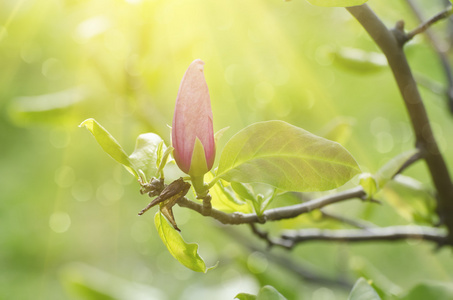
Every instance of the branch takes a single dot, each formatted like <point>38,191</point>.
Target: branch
<point>428,23</point>
<point>264,235</point>
<point>391,43</point>
<point>414,158</point>
<point>354,223</point>
<point>301,271</point>
<point>275,214</point>
<point>438,48</point>
<point>392,233</point>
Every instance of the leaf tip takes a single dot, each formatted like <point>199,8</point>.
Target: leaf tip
<point>86,122</point>
<point>211,268</point>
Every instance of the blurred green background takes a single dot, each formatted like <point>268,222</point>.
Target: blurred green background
<point>68,213</point>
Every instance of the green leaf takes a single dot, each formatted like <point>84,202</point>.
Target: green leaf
<point>286,157</point>
<point>108,144</point>
<point>362,290</point>
<point>243,190</point>
<point>388,171</point>
<point>337,3</point>
<point>369,184</point>
<point>159,154</point>
<point>268,292</point>
<point>185,253</point>
<point>144,156</point>
<point>223,199</point>
<point>245,296</point>
<point>162,161</point>
<point>259,194</point>
<point>218,135</point>
<point>143,161</point>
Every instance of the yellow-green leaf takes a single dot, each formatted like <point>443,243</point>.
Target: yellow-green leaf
<point>185,253</point>
<point>108,143</point>
<point>144,156</point>
<point>362,290</point>
<point>268,292</point>
<point>286,157</point>
<point>369,184</point>
<point>225,201</point>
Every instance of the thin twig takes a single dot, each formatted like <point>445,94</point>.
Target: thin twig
<point>289,264</point>
<point>440,50</point>
<point>354,223</point>
<point>414,158</point>
<point>392,233</point>
<point>276,214</point>
<point>391,43</point>
<point>264,235</point>
<point>428,23</point>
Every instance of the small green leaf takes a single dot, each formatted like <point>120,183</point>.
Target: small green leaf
<point>337,3</point>
<point>389,170</point>
<point>268,292</point>
<point>286,157</point>
<point>245,296</point>
<point>164,159</point>
<point>362,290</point>
<point>369,184</point>
<point>108,144</point>
<point>185,253</point>
<point>159,154</point>
<point>259,194</point>
<point>265,200</point>
<point>223,199</point>
<point>144,156</point>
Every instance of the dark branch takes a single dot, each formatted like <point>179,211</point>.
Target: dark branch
<point>275,214</point>
<point>270,241</point>
<point>393,233</point>
<point>288,263</point>
<point>391,43</point>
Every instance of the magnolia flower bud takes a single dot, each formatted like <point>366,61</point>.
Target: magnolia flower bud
<point>192,130</point>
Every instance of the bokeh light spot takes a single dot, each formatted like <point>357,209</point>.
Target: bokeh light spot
<point>257,263</point>
<point>59,222</point>
<point>64,176</point>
